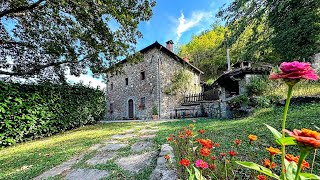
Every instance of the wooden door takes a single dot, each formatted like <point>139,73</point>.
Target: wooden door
<point>130,109</point>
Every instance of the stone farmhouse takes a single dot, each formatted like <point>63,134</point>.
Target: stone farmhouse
<point>141,87</point>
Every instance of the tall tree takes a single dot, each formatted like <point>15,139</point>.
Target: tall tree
<point>49,36</point>
<point>292,25</point>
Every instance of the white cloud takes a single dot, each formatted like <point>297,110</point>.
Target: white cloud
<point>187,24</point>
<point>87,80</point>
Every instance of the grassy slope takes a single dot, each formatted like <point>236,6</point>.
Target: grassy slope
<point>226,131</point>
<point>304,88</point>
<point>29,159</point>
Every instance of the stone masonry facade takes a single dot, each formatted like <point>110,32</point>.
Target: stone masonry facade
<point>157,68</point>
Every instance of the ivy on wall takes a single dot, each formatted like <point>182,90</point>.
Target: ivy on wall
<point>182,83</point>
<point>33,111</point>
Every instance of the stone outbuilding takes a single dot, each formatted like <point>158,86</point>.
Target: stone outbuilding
<point>142,86</point>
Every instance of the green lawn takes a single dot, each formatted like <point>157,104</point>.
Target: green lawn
<point>27,160</point>
<point>30,159</point>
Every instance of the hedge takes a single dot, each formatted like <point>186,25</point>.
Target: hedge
<point>33,111</point>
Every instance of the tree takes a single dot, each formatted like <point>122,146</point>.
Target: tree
<point>49,37</point>
<point>292,28</point>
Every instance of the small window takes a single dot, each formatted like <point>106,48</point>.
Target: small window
<point>127,81</point>
<point>143,101</point>
<point>111,86</point>
<point>111,108</point>
<point>143,76</point>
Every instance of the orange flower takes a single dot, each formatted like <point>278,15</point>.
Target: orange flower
<point>185,162</point>
<point>306,137</point>
<point>212,166</point>
<point>170,138</point>
<point>292,158</point>
<point>237,142</point>
<point>232,153</point>
<point>261,177</point>
<point>266,163</point>
<point>252,137</point>
<point>216,144</point>
<point>201,131</point>
<point>188,132</point>
<point>273,151</point>
<point>205,143</point>
<point>205,151</point>
<point>167,157</point>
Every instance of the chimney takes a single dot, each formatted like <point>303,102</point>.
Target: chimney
<point>186,59</point>
<point>169,45</point>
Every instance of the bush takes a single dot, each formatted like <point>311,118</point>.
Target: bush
<point>33,111</point>
<point>257,86</point>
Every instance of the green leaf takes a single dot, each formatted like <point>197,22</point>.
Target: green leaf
<point>258,168</point>
<point>275,132</point>
<point>198,174</point>
<point>304,176</point>
<point>286,141</point>
<point>291,169</point>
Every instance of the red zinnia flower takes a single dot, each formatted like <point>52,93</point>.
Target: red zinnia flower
<point>223,154</point>
<point>266,163</point>
<point>205,151</point>
<point>188,132</point>
<point>201,131</point>
<point>213,158</point>
<point>212,166</point>
<point>185,162</point>
<point>216,144</point>
<point>232,153</point>
<point>237,142</point>
<point>261,177</point>
<point>170,138</point>
<point>205,143</point>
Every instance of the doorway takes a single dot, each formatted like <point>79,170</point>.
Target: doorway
<point>130,109</point>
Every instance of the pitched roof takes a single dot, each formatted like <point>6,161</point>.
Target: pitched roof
<point>169,53</point>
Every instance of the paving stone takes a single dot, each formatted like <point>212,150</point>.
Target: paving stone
<point>135,163</point>
<point>122,136</point>
<point>141,145</point>
<point>113,147</point>
<point>165,149</point>
<point>110,141</point>
<point>130,131</point>
<point>160,174</point>
<point>101,158</point>
<point>87,174</point>
<point>62,168</point>
<point>95,147</point>
<point>147,136</point>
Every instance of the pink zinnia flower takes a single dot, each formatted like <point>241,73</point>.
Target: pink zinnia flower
<point>295,70</point>
<point>201,164</point>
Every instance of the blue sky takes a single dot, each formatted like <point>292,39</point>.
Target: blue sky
<point>178,20</point>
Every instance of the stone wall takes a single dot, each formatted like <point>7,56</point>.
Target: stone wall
<point>168,68</point>
<point>159,70</point>
<point>136,88</point>
<point>316,62</point>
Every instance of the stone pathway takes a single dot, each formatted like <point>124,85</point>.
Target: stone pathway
<point>123,155</point>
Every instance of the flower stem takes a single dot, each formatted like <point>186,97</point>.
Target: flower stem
<point>303,155</point>
<point>285,113</point>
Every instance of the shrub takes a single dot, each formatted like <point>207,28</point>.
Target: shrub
<point>154,110</point>
<point>257,86</point>
<point>33,111</point>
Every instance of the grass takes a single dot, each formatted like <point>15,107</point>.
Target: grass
<point>226,131</point>
<point>27,160</point>
<point>303,88</point>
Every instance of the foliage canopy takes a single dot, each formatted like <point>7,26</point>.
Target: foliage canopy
<point>49,37</point>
